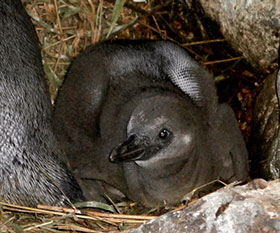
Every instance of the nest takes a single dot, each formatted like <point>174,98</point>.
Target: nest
<point>65,28</point>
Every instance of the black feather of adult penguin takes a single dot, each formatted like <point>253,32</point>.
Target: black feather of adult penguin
<point>31,169</point>
<point>141,118</point>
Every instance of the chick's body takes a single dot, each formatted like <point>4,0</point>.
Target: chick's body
<point>142,118</point>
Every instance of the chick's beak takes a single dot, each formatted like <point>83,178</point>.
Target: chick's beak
<point>129,150</point>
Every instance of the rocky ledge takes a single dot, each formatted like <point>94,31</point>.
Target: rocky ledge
<point>254,207</point>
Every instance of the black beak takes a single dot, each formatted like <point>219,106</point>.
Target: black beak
<point>128,151</point>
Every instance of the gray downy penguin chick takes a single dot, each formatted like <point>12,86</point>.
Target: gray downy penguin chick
<point>30,166</point>
<point>142,118</point>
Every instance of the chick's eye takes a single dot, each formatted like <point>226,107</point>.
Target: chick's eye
<point>163,134</point>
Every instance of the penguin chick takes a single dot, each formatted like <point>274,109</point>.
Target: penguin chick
<point>142,118</point>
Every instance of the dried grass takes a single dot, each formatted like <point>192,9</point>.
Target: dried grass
<point>14,218</point>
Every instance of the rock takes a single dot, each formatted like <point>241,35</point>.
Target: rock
<point>251,27</point>
<point>254,207</point>
<point>265,137</point>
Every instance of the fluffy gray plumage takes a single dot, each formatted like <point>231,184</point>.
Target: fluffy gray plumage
<point>28,147</point>
<point>142,118</point>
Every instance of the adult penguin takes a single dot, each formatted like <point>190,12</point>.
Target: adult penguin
<point>142,118</point>
<point>31,169</point>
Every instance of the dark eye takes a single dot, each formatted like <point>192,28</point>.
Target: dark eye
<point>163,134</point>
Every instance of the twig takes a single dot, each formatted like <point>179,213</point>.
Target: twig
<point>223,60</point>
<point>202,42</point>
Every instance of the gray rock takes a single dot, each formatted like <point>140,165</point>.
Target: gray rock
<point>254,207</point>
<point>265,144</point>
<point>251,27</point>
